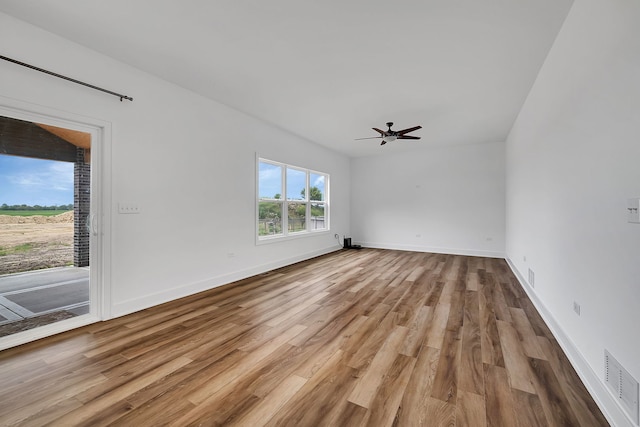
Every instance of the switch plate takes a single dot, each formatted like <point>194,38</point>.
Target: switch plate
<point>128,208</point>
<point>633,210</point>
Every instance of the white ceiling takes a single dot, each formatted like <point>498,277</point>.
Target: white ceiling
<point>331,70</point>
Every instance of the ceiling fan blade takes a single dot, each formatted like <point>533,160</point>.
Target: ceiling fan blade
<point>373,137</point>
<point>381,132</point>
<point>403,131</point>
<point>408,137</point>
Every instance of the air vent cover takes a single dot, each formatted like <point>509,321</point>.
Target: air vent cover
<point>622,384</point>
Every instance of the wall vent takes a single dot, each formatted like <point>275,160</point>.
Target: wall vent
<point>622,384</point>
<point>532,278</point>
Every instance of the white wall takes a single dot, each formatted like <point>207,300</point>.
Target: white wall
<point>572,162</point>
<point>187,161</point>
<point>448,200</point>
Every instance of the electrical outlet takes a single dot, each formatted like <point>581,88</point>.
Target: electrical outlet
<point>576,308</point>
<point>532,278</point>
<point>633,210</point>
<point>128,208</point>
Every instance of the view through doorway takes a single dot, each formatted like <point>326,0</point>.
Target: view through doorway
<point>45,227</point>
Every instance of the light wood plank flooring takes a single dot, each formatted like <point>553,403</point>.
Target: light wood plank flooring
<point>354,338</point>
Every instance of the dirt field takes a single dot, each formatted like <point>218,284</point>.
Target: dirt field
<point>35,242</point>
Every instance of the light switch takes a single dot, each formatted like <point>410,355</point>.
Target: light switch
<point>128,208</point>
<point>633,210</point>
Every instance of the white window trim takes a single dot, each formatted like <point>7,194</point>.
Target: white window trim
<point>286,235</point>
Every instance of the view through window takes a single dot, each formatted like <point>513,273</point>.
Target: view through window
<point>45,182</point>
<point>291,200</point>
<point>36,213</point>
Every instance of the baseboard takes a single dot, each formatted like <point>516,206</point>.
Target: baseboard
<point>181,291</point>
<point>432,249</point>
<point>614,413</point>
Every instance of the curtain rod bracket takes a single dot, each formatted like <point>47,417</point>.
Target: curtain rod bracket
<point>51,73</point>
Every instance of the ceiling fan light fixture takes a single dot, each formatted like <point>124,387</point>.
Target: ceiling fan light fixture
<point>389,138</point>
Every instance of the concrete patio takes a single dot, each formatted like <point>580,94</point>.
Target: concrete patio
<point>36,293</point>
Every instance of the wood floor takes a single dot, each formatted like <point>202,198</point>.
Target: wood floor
<point>370,337</point>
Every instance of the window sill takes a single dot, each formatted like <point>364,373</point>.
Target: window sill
<point>293,236</point>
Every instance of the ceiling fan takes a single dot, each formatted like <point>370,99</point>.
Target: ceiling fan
<point>391,135</point>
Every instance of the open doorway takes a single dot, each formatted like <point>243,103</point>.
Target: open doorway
<point>45,227</point>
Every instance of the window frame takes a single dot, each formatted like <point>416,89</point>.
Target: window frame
<point>285,233</point>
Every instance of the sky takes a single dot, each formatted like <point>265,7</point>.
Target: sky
<point>35,182</point>
<point>270,181</point>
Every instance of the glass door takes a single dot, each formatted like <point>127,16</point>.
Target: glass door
<point>45,224</point>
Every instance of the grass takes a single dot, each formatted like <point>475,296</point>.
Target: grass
<point>31,213</point>
<point>25,247</point>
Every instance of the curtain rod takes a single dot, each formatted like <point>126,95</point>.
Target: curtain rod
<point>51,73</point>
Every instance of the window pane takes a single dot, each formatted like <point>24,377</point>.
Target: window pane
<point>317,216</point>
<point>269,181</point>
<point>303,194</point>
<point>297,217</point>
<point>296,184</point>
<point>318,186</point>
<point>269,218</point>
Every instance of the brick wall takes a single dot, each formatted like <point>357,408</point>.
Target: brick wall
<point>81,208</point>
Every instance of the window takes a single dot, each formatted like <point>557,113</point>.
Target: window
<point>291,200</point>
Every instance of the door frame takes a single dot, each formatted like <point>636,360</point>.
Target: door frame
<point>100,241</point>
